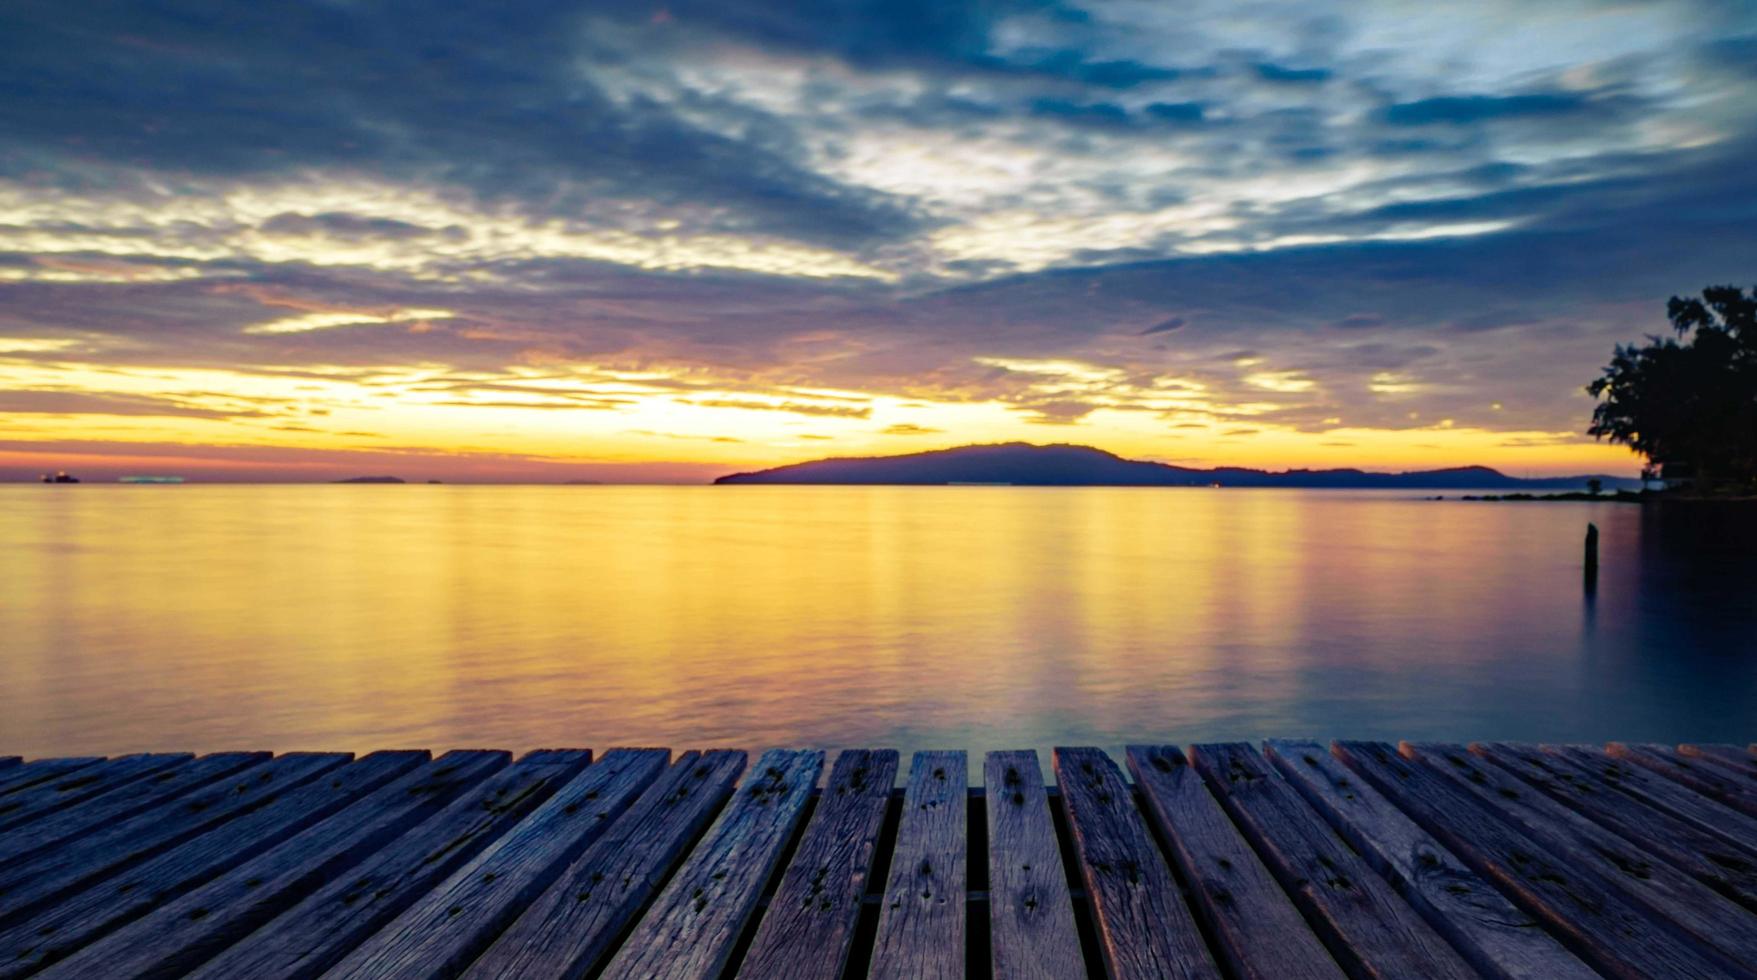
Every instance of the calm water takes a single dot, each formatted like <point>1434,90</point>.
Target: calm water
<point>209,617</point>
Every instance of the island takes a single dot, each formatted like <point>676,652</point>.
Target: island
<point>1064,465</point>
<point>372,479</point>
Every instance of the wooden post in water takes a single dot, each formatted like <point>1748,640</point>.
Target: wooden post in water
<point>1591,556</point>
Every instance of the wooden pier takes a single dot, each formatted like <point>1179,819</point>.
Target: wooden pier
<point>1286,860</point>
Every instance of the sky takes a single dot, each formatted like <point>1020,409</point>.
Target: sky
<point>663,241</point>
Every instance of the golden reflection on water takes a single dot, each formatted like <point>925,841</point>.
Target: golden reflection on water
<point>212,617</point>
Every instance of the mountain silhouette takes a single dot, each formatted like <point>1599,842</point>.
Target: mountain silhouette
<point>1062,465</point>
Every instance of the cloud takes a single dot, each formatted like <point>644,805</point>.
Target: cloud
<point>353,227</point>
<point>1177,112</point>
<point>489,102</point>
<point>50,402</point>
<point>795,408</point>
<point>905,429</point>
<point>1458,110</point>
<point>331,320</point>
<point>1291,76</point>
<point>973,208</point>
<point>1163,326</point>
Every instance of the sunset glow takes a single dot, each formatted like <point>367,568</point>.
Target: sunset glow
<point>667,243</point>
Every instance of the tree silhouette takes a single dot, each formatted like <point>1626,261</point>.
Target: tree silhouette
<point>1692,404</point>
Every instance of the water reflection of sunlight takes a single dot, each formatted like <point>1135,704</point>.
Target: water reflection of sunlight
<point>359,617</point>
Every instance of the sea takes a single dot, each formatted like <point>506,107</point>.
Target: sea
<point>210,617</point>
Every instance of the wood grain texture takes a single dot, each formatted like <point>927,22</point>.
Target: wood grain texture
<point>692,927</point>
<point>1669,895</point>
<point>1261,934</point>
<point>572,927</point>
<point>1709,780</point>
<point>440,934</point>
<point>1488,930</point>
<point>1144,927</point>
<point>15,778</point>
<point>1032,931</point>
<point>310,937</point>
<point>1654,790</point>
<point>1299,861</point>
<point>1361,917</point>
<point>1722,862</point>
<point>21,808</point>
<point>1738,758</point>
<point>921,930</point>
<point>124,802</point>
<point>82,918</point>
<point>183,933</point>
<point>33,882</point>
<point>1599,922</point>
<point>809,926</point>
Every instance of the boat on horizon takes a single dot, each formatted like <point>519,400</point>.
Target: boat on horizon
<point>60,476</point>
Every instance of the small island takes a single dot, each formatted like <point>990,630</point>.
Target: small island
<point>1024,464</point>
<point>372,479</point>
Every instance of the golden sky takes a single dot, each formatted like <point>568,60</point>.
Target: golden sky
<point>636,241</point>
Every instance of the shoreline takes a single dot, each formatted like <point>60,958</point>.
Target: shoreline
<point>1615,497</point>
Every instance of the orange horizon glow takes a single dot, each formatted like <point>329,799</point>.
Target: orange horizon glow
<point>558,421</point>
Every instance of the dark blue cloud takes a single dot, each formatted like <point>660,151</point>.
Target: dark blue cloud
<point>1177,112</point>
<point>1110,115</point>
<point>1118,74</point>
<point>1089,113</point>
<point>1291,76</point>
<point>1163,326</point>
<point>1466,109</point>
<point>871,33</point>
<point>482,97</point>
<point>1737,53</point>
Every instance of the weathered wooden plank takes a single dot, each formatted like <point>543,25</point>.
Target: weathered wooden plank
<point>20,808</point>
<point>1598,920</point>
<point>921,921</point>
<point>1260,933</point>
<point>313,935</point>
<point>31,773</point>
<point>1032,932</point>
<point>1144,928</point>
<point>1667,893</point>
<point>34,881</point>
<point>1723,863</point>
<point>1710,781</point>
<point>1655,790</point>
<point>442,932</point>
<point>690,931</point>
<point>1738,758</point>
<point>572,927</point>
<point>185,932</point>
<point>1366,924</point>
<point>123,802</point>
<point>1494,935</point>
<point>81,918</point>
<point>809,925</point>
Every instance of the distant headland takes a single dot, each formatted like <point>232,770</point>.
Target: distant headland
<point>1062,465</point>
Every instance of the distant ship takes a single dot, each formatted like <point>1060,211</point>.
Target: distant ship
<point>151,479</point>
<point>60,477</point>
